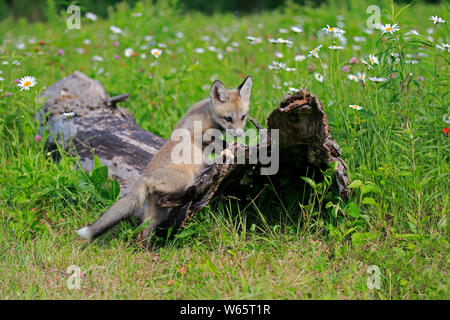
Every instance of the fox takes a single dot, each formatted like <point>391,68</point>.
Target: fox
<point>225,110</point>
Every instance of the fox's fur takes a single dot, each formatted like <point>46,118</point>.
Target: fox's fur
<point>223,110</point>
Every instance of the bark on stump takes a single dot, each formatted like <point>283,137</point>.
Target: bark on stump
<point>99,127</point>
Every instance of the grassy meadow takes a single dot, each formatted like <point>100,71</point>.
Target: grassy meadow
<point>386,97</point>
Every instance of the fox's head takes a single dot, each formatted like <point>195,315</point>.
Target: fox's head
<point>230,107</point>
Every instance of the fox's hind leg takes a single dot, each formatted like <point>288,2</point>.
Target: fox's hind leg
<point>156,214</point>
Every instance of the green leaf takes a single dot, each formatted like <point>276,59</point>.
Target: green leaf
<point>99,176</point>
<point>370,201</point>
<point>353,210</point>
<point>355,184</point>
<point>97,162</point>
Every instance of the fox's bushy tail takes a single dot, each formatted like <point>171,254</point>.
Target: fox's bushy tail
<point>120,210</point>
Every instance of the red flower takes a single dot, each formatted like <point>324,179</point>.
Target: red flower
<point>445,130</point>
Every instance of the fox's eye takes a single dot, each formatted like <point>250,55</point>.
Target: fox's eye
<point>228,119</point>
<point>244,116</point>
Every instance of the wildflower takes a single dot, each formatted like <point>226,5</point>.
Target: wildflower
<point>8,94</point>
<point>359,39</point>
<point>373,59</point>
<point>61,52</point>
<point>318,77</point>
<point>376,79</point>
<point>388,28</point>
<point>299,58</point>
<point>115,43</point>
<point>253,40</point>
<point>311,68</point>
<point>353,60</point>
<point>333,30</point>
<point>296,29</point>
<point>336,47</point>
<point>345,69</point>
<point>436,19</point>
<point>2,79</point>
<point>91,16</point>
<point>356,107</point>
<point>420,78</point>
<point>116,56</point>
<point>315,52</point>
<point>69,115</point>
<point>137,14</point>
<point>97,58</point>
<point>293,89</point>
<point>37,138</point>
<point>20,46</point>
<point>179,34</point>
<point>366,63</point>
<point>362,76</point>
<point>352,77</point>
<point>413,61</point>
<point>277,65</point>
<point>412,31</point>
<point>279,55</point>
<point>289,69</point>
<point>115,29</point>
<point>446,118</point>
<point>199,50</point>
<point>128,52</point>
<point>445,130</point>
<point>280,40</point>
<point>26,83</point>
<point>87,41</point>
<point>156,52</point>
<point>282,30</point>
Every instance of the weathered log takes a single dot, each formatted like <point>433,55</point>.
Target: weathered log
<point>99,127</point>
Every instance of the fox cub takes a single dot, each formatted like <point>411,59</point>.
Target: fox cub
<point>225,110</point>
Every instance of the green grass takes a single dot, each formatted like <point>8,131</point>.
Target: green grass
<point>277,247</point>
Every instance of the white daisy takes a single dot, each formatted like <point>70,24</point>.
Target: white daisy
<point>299,57</point>
<point>373,59</point>
<point>69,115</point>
<point>289,69</point>
<point>318,77</point>
<point>26,83</point>
<point>333,30</point>
<point>91,16</point>
<point>352,77</point>
<point>361,76</point>
<point>282,30</point>
<point>156,52</point>
<point>115,29</point>
<point>436,19</point>
<point>296,29</point>
<point>376,79</point>
<point>336,47</point>
<point>412,31</point>
<point>278,54</point>
<point>97,58</point>
<point>128,52</point>
<point>254,40</point>
<point>315,52</point>
<point>389,28</point>
<point>199,50</point>
<point>355,106</point>
<point>446,118</point>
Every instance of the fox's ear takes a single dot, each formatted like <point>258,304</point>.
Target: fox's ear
<point>218,93</point>
<point>245,89</point>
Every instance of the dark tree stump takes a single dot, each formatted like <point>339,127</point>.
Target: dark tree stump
<point>99,127</point>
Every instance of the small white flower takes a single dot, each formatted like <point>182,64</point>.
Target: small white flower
<point>355,106</point>
<point>296,29</point>
<point>446,118</point>
<point>436,19</point>
<point>336,47</point>
<point>282,30</point>
<point>235,44</point>
<point>299,58</point>
<point>376,79</point>
<point>413,61</point>
<point>277,65</point>
<point>97,58</point>
<point>179,34</point>
<point>366,63</point>
<point>315,52</point>
<point>278,54</point>
<point>293,89</point>
<point>352,77</point>
<point>26,83</point>
<point>388,28</point>
<point>212,48</point>
<point>69,115</point>
<point>148,38</point>
<point>2,79</point>
<point>333,30</point>
<point>156,52</point>
<point>359,39</point>
<point>412,31</point>
<point>87,41</point>
<point>16,62</point>
<point>289,69</point>
<point>20,46</point>
<point>373,59</point>
<point>137,14</point>
<point>318,77</point>
<point>115,29</point>
<point>91,16</point>
<point>143,56</point>
<point>199,50</point>
<point>254,40</point>
<point>280,40</point>
<point>361,76</point>
<point>219,56</point>
<point>162,45</point>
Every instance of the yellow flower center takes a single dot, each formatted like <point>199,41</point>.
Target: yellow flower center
<point>388,29</point>
<point>26,84</point>
<point>330,29</point>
